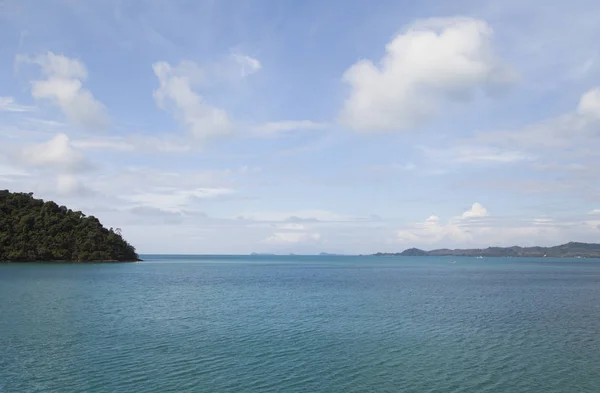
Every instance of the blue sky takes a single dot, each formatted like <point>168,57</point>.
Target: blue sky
<point>338,126</point>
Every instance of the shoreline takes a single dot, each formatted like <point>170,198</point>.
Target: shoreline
<point>78,262</point>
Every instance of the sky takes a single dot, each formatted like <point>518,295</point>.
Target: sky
<point>341,126</point>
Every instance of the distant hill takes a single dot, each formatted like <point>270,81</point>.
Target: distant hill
<point>568,250</point>
<point>34,230</point>
<point>413,252</point>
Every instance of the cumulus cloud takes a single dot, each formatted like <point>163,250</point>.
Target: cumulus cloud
<point>434,60</point>
<point>477,210</point>
<point>474,228</point>
<point>57,153</point>
<point>433,231</point>
<point>176,95</point>
<point>63,87</point>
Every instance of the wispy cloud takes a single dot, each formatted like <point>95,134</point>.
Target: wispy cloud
<point>8,104</point>
<point>248,65</point>
<point>175,94</point>
<point>282,238</point>
<point>173,199</point>
<point>469,154</point>
<point>287,126</point>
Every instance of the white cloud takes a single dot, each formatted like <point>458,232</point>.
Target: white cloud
<point>433,231</point>
<point>477,210</point>
<point>113,143</point>
<point>559,167</point>
<point>176,95</point>
<point>467,153</point>
<point>568,129</point>
<point>57,153</point>
<point>63,87</point>
<point>569,136</point>
<point>283,127</point>
<point>175,200</point>
<point>248,65</point>
<point>594,211</point>
<point>464,231</point>
<point>589,105</point>
<point>433,61</point>
<point>291,227</point>
<point>139,143</point>
<point>11,173</point>
<point>307,215</point>
<point>8,104</point>
<point>68,184</point>
<point>292,238</point>
<point>173,189</point>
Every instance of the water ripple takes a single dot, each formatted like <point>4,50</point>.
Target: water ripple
<point>314,325</point>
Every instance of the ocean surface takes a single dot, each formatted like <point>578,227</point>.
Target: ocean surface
<point>301,324</point>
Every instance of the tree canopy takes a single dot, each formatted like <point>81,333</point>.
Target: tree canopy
<point>34,230</point>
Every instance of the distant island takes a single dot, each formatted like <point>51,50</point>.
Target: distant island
<point>32,230</point>
<point>568,250</point>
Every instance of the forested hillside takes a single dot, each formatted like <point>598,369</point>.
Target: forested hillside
<point>568,250</point>
<point>34,230</point>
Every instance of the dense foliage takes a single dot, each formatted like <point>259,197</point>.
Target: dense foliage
<point>34,230</point>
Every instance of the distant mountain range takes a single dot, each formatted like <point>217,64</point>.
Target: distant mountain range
<point>568,250</point>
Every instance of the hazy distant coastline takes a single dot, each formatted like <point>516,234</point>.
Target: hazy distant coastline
<point>568,250</point>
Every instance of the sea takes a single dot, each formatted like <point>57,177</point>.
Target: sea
<point>175,323</point>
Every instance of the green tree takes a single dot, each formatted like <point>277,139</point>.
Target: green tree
<point>34,230</point>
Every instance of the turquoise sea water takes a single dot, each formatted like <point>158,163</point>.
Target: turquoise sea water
<point>301,324</point>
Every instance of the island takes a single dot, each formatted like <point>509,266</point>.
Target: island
<point>568,250</point>
<point>32,230</point>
